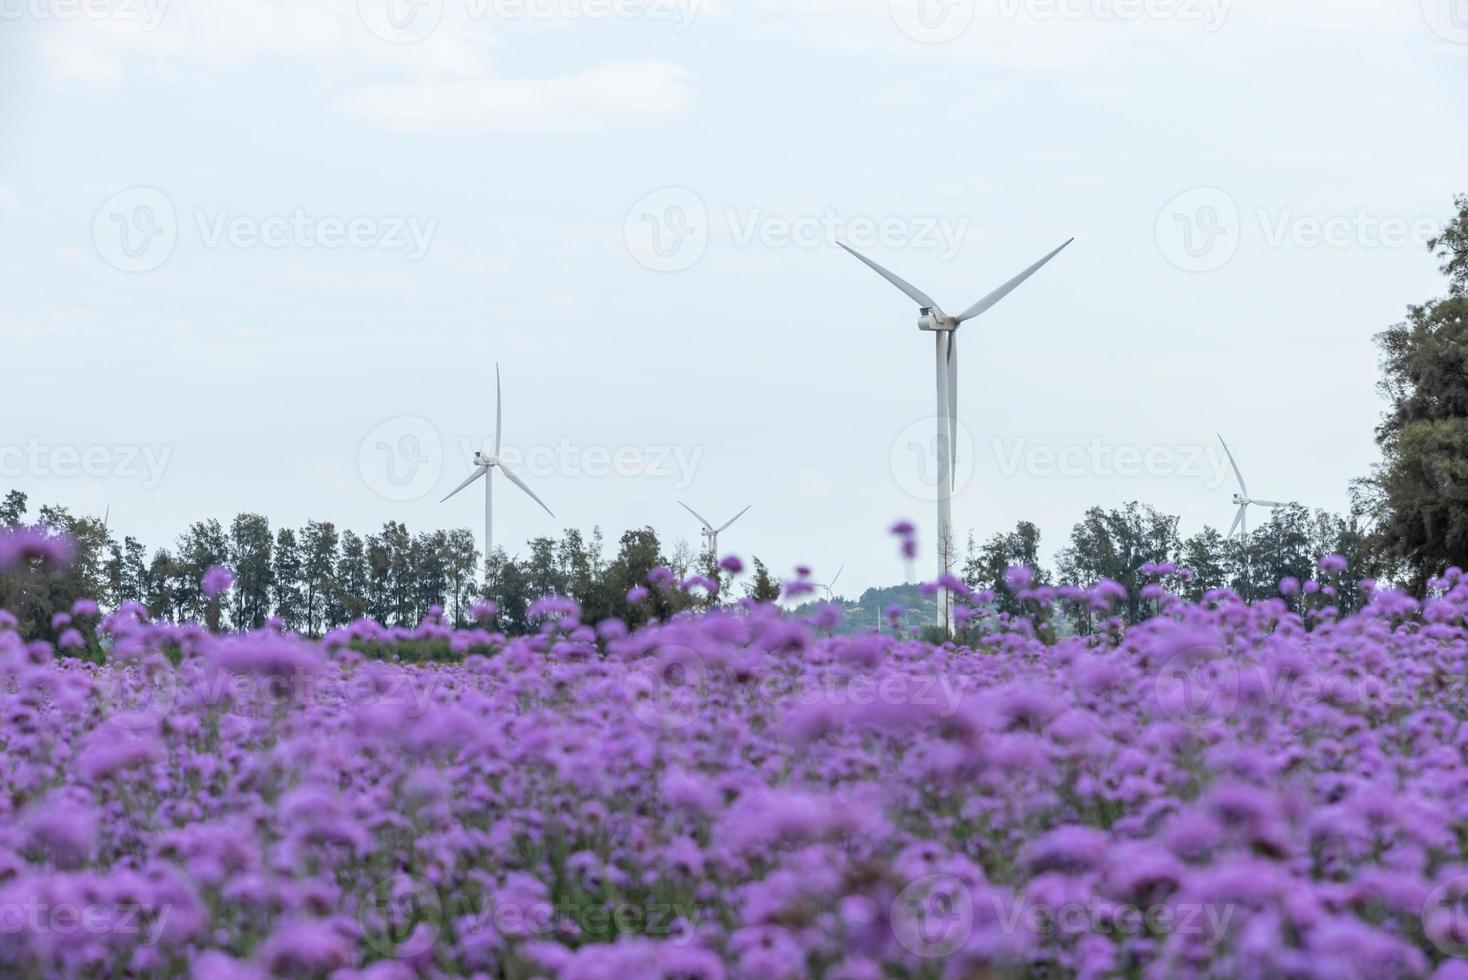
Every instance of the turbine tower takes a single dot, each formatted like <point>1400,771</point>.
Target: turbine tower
<point>484,467</point>
<point>945,332</point>
<point>710,533</point>
<point>1242,498</point>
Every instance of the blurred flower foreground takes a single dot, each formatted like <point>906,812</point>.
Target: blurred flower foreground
<point>1224,789</point>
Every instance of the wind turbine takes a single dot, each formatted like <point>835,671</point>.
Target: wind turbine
<point>485,465</point>
<point>711,533</point>
<point>945,331</point>
<point>1242,498</point>
<point>832,584</point>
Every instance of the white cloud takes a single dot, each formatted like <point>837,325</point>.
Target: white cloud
<point>610,97</point>
<point>446,81</point>
<point>7,196</point>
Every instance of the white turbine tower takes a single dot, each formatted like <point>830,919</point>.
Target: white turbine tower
<point>710,533</point>
<point>1242,498</point>
<point>945,331</point>
<point>832,584</point>
<point>484,467</point>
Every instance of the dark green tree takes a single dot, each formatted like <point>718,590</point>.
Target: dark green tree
<point>1418,494</point>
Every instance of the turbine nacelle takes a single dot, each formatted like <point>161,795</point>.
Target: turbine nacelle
<point>484,459</point>
<point>1241,500</point>
<point>932,318</point>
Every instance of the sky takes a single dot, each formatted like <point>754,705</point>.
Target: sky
<point>265,256</point>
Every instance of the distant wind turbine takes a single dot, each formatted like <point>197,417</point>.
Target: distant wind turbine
<point>483,467</point>
<point>945,330</point>
<point>832,584</point>
<point>710,533</point>
<point>1242,498</point>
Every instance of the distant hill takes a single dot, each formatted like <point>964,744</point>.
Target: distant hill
<point>863,614</point>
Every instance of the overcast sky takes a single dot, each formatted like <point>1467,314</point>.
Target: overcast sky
<point>264,256</point>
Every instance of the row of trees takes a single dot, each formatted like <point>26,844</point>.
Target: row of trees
<point>1122,543</point>
<point>316,577</point>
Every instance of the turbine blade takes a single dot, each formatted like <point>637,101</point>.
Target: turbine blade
<point>732,520</point>
<point>478,472</point>
<point>917,295</point>
<point>1267,503</point>
<point>1238,519</point>
<point>1237,475</point>
<point>836,577</point>
<point>499,413</point>
<point>1008,287</point>
<point>707,526</point>
<point>521,484</point>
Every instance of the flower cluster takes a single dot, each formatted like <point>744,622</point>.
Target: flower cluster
<point>1225,789</point>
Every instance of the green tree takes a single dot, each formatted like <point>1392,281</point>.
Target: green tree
<point>1114,545</point>
<point>286,584</point>
<point>250,546</point>
<point>318,567</point>
<point>12,509</point>
<point>985,567</point>
<point>1418,493</point>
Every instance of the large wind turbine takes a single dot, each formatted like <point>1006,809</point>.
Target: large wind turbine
<point>1242,498</point>
<point>485,465</point>
<point>711,533</point>
<point>945,331</point>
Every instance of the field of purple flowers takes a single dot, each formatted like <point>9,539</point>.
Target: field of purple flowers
<point>1223,790</point>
